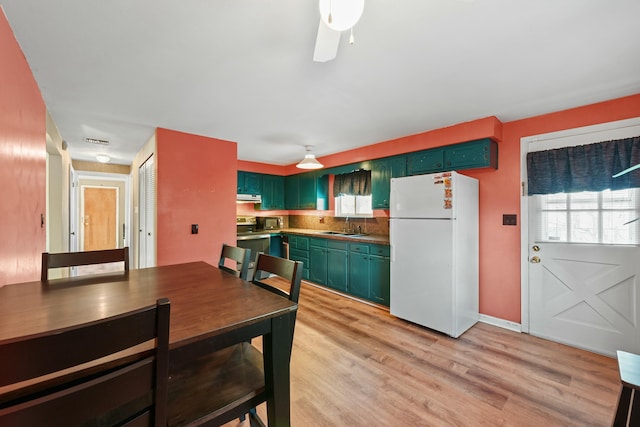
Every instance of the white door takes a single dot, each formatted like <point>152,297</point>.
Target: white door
<point>146,215</point>
<point>585,295</point>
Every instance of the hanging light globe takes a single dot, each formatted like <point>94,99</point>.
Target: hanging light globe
<point>341,15</point>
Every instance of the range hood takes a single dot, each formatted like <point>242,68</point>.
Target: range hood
<point>249,198</point>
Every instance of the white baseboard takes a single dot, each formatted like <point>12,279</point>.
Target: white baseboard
<point>501,323</point>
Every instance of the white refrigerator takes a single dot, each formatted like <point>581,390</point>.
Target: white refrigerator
<point>434,251</point>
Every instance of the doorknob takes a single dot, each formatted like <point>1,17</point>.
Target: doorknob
<point>535,248</point>
<point>535,259</point>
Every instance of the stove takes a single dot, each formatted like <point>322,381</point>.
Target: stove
<point>247,237</point>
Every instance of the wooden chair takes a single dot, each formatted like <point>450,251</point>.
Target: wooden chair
<point>131,393</point>
<point>230,383</point>
<point>628,411</point>
<point>240,256</point>
<point>75,259</point>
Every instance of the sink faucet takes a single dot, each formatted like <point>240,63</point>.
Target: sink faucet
<point>346,225</point>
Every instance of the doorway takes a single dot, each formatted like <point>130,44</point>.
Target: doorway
<point>581,294</point>
<point>100,212</point>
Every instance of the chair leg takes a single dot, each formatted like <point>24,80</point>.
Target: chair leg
<point>254,419</point>
<point>623,407</point>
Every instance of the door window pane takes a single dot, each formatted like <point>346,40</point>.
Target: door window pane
<point>605,217</point>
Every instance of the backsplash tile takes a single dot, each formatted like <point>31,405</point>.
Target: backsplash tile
<point>377,225</point>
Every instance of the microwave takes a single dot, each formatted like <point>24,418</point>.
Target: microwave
<point>269,222</point>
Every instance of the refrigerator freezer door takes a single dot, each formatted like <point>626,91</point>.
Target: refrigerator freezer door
<point>421,272</point>
<point>422,196</point>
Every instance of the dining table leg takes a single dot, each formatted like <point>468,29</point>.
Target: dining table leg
<point>276,352</point>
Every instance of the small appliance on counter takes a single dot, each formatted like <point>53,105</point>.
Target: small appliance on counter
<point>269,222</point>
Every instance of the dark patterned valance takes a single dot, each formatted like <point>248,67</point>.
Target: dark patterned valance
<point>584,168</point>
<point>356,183</point>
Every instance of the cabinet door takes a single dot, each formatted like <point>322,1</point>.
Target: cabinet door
<point>272,192</point>
<point>318,264</point>
<point>249,182</point>
<point>382,171</point>
<point>338,273</point>
<point>359,274</point>
<point>308,197</point>
<point>476,154</point>
<point>379,279</point>
<point>291,192</point>
<point>427,161</point>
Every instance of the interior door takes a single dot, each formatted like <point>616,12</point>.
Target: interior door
<point>100,218</point>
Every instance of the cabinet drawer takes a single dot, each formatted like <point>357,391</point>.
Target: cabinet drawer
<point>299,255</point>
<point>300,242</point>
<point>314,241</point>
<point>359,247</point>
<point>336,244</point>
<point>382,250</point>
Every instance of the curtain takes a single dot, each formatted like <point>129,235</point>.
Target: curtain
<point>356,183</point>
<point>584,168</point>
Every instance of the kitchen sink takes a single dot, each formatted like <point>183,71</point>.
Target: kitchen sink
<point>341,233</point>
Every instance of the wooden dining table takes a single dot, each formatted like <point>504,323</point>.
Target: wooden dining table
<point>210,309</point>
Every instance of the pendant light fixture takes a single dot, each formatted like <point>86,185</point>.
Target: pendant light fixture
<point>309,161</point>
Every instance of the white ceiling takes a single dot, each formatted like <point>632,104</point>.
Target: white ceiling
<point>242,70</point>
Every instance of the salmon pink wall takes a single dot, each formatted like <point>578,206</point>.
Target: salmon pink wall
<point>22,164</point>
<point>196,184</point>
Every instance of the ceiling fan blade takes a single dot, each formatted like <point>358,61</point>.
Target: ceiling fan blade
<point>326,43</point>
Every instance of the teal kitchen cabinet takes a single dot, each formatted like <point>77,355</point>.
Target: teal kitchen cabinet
<point>328,263</point>
<point>379,274</point>
<point>426,161</point>
<point>369,272</point>
<point>306,191</point>
<point>292,192</point>
<point>382,170</point>
<point>337,265</point>
<point>249,182</point>
<point>482,153</point>
<point>359,270</point>
<point>272,192</point>
<point>476,154</point>
<point>318,260</point>
<point>299,251</point>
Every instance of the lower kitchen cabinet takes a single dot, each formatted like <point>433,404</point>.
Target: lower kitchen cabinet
<point>358,269</point>
<point>337,265</point>
<point>369,272</point>
<point>299,251</point>
<point>379,276</point>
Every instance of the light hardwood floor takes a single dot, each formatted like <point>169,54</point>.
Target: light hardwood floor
<point>356,365</point>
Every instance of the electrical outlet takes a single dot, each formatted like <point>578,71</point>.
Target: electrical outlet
<point>194,228</point>
<point>509,219</point>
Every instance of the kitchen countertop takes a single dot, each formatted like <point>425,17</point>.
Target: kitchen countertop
<point>364,238</point>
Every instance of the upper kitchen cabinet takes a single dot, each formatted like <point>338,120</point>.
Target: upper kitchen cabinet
<point>306,191</point>
<point>382,170</point>
<point>272,192</point>
<point>482,153</point>
<point>249,182</point>
<point>476,154</point>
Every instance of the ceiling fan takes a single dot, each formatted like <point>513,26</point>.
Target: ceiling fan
<point>336,16</point>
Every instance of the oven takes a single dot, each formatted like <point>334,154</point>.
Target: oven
<point>248,238</point>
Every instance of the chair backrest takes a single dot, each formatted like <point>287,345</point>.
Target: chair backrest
<point>241,256</point>
<point>106,395</point>
<point>74,259</point>
<point>289,275</point>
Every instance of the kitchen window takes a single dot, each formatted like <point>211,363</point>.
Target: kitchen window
<point>600,217</point>
<point>353,206</point>
<point>352,193</point>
